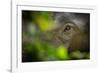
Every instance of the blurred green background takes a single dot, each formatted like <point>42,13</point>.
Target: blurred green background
<point>36,44</point>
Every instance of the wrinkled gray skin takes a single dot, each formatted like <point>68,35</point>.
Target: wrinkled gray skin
<point>72,30</point>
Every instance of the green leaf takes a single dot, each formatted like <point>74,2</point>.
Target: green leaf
<point>62,53</point>
<point>43,20</point>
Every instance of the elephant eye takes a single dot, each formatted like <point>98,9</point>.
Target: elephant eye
<point>67,28</point>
